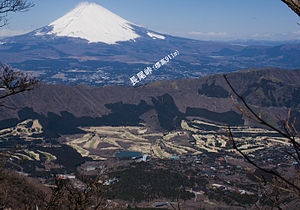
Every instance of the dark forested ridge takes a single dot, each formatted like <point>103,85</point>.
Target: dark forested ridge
<point>55,130</point>
<point>208,98</point>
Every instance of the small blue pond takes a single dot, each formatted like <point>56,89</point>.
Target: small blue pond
<point>129,154</point>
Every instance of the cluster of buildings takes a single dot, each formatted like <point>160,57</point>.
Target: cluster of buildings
<point>144,158</point>
<point>66,176</point>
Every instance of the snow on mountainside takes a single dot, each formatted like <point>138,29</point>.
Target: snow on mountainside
<point>91,45</point>
<point>155,36</point>
<point>94,23</point>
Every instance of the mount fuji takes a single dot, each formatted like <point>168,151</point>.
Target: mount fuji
<point>94,46</point>
<point>94,23</point>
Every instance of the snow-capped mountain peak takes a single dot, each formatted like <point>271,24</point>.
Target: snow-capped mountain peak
<point>94,23</point>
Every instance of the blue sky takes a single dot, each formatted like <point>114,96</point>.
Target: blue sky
<point>199,19</point>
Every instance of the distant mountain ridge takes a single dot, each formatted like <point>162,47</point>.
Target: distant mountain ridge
<point>91,45</point>
<point>162,104</point>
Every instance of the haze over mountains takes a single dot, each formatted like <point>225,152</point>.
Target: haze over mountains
<point>92,45</point>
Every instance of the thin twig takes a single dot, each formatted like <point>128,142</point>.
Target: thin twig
<point>274,173</point>
<point>261,121</point>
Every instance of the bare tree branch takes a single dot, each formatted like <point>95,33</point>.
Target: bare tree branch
<point>289,132</point>
<point>257,118</point>
<point>269,171</point>
<point>13,82</point>
<point>67,196</point>
<point>294,5</point>
<point>8,6</point>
